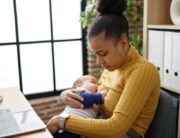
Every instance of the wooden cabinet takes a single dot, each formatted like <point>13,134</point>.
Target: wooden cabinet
<point>157,17</point>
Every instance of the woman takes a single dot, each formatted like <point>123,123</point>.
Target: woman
<point>133,82</point>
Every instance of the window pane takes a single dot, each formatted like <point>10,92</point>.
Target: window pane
<point>33,20</point>
<point>8,67</point>
<point>7,24</point>
<point>68,63</point>
<point>66,15</point>
<point>36,60</point>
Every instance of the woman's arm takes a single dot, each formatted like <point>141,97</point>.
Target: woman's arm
<point>82,99</point>
<point>139,85</point>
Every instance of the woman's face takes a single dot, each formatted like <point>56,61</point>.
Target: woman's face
<point>110,51</point>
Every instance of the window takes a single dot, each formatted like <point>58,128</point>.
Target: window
<point>41,45</point>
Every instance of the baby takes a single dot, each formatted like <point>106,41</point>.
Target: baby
<point>87,86</point>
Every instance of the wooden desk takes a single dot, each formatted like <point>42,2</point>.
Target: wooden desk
<point>13,97</point>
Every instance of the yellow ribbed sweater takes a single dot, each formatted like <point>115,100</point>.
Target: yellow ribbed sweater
<point>131,101</point>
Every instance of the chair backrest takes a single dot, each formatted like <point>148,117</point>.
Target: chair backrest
<point>162,116</point>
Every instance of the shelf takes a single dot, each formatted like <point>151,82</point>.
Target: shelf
<point>171,89</point>
<point>157,17</point>
<point>164,27</point>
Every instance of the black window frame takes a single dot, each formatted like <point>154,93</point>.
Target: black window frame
<point>51,41</point>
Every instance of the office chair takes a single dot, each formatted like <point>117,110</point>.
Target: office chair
<point>162,116</point>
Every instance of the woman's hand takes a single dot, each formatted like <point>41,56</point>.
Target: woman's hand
<point>53,124</point>
<point>104,92</point>
<point>71,98</point>
<point>97,107</point>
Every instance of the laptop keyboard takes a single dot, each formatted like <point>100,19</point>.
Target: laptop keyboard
<point>8,124</point>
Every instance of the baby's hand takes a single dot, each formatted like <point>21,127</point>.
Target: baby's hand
<point>97,107</point>
<point>104,92</point>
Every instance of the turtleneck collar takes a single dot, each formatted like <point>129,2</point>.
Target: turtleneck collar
<point>132,55</point>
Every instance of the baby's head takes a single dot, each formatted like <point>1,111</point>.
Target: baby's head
<point>88,82</point>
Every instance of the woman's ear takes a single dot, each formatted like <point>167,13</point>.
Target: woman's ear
<point>124,42</point>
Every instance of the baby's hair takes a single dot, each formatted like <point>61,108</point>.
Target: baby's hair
<point>110,20</point>
<point>78,82</point>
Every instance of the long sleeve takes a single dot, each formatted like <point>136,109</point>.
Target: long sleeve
<point>91,98</point>
<point>132,101</point>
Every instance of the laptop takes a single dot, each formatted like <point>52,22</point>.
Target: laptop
<point>19,120</point>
